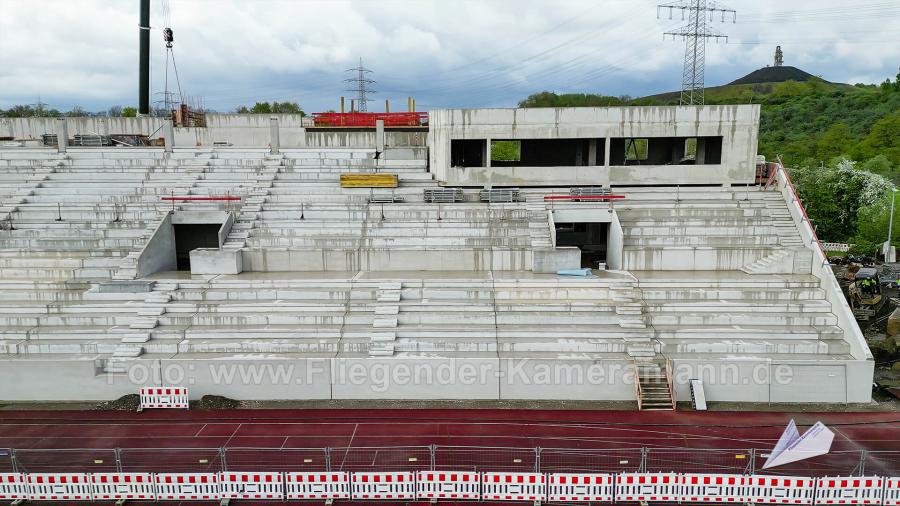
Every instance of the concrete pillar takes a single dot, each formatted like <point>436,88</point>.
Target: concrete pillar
<point>168,135</point>
<point>379,135</point>
<point>62,134</point>
<point>579,154</point>
<point>606,143</point>
<point>487,153</point>
<point>701,151</point>
<point>274,139</point>
<point>592,152</point>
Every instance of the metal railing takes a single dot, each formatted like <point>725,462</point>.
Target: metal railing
<point>440,457</point>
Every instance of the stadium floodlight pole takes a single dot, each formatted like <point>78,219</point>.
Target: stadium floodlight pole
<point>695,33</point>
<point>144,59</point>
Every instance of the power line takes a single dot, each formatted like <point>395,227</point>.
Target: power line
<point>695,33</point>
<point>361,84</point>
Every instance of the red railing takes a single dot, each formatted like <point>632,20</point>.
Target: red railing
<point>368,119</point>
<point>583,197</point>
<point>790,185</point>
<point>191,198</point>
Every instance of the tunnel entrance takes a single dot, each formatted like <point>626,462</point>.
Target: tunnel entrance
<point>190,236</point>
<point>591,238</point>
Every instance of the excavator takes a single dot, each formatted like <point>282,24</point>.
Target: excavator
<point>866,298</point>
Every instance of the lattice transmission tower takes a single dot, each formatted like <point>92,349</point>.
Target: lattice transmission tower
<point>695,33</point>
<point>361,85</point>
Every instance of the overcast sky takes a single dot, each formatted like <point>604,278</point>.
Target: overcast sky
<point>446,53</point>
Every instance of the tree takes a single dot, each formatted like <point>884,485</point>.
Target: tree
<point>884,138</point>
<point>834,142</point>
<point>114,111</point>
<point>508,151</point>
<point>129,112</point>
<point>271,108</point>
<point>77,112</point>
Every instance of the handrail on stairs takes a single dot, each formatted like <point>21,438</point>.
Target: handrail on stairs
<point>786,178</point>
<point>637,384</point>
<point>669,373</point>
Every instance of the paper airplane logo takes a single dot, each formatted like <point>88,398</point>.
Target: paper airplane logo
<point>792,447</point>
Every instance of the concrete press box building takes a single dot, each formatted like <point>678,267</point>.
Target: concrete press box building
<point>265,258</point>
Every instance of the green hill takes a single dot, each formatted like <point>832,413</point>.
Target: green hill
<point>806,122</point>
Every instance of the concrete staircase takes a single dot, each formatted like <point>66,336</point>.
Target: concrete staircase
<point>655,392</point>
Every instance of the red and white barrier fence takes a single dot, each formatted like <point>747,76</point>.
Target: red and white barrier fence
<point>401,485</point>
<point>781,490</point>
<point>448,485</point>
<point>187,487</point>
<point>891,492</point>
<point>648,487</point>
<point>514,487</point>
<point>59,487</point>
<point>863,490</point>
<point>458,485</point>
<point>13,486</point>
<point>714,488</point>
<point>119,486</point>
<point>164,398</point>
<point>568,487</point>
<point>237,485</point>
<point>317,485</point>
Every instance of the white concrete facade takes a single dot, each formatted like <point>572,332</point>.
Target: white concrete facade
<point>737,125</point>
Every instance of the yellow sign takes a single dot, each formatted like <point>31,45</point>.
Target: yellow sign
<point>368,180</point>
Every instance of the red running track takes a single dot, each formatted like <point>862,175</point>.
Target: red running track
<point>714,439</point>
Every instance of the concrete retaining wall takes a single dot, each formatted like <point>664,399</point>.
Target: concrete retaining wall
<point>255,378</point>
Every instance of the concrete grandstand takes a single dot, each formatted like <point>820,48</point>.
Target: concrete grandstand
<point>236,244</point>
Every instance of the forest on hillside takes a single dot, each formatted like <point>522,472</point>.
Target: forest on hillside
<point>840,142</point>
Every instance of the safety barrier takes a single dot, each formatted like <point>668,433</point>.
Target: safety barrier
<point>580,487</point>
<point>648,487</point>
<point>59,487</point>
<point>187,486</point>
<point>13,486</point>
<point>400,485</point>
<point>513,487</point>
<point>382,180</point>
<point>892,492</point>
<point>781,490</point>
<point>863,490</point>
<point>317,486</point>
<point>250,485</point>
<point>164,397</point>
<point>119,486</point>
<point>448,485</point>
<point>714,488</point>
<point>460,485</point>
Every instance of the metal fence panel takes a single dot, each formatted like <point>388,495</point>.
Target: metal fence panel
<point>573,460</point>
<point>276,459</point>
<point>473,458</point>
<point>6,463</point>
<point>692,460</point>
<point>62,461</point>
<point>398,458</point>
<point>840,463</point>
<point>171,460</point>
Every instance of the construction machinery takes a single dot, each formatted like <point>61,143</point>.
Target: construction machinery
<point>865,294</point>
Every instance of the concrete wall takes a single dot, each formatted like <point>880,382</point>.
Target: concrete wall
<point>615,244</point>
<point>254,377</point>
<point>159,252</point>
<point>240,130</point>
<point>737,124</point>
